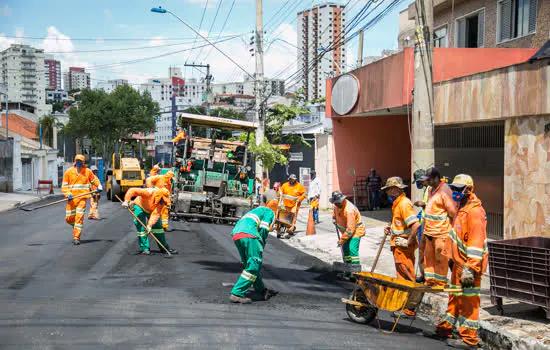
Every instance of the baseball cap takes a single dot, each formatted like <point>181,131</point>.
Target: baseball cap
<point>292,177</point>
<point>312,171</point>
<point>418,174</point>
<point>462,180</point>
<point>395,181</point>
<point>430,174</point>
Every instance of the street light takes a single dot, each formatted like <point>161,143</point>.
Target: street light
<point>161,10</point>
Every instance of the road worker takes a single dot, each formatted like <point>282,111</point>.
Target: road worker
<point>154,171</point>
<point>181,135</point>
<point>162,181</point>
<point>78,180</point>
<point>250,235</point>
<point>94,200</point>
<point>470,256</point>
<point>347,219</point>
<point>147,206</point>
<point>438,213</point>
<point>403,228</point>
<point>314,194</point>
<point>422,243</point>
<point>293,193</point>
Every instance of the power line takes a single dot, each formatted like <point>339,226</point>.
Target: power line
<point>200,26</point>
<point>119,49</point>
<point>212,25</point>
<point>90,39</point>
<point>223,27</point>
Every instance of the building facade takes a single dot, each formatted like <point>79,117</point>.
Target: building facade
<point>272,87</point>
<point>76,78</point>
<point>57,95</point>
<point>317,28</point>
<point>52,70</point>
<point>488,23</point>
<point>110,85</point>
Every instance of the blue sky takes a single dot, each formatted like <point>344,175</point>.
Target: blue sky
<point>64,22</point>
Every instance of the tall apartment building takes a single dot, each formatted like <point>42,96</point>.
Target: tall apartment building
<point>320,27</point>
<point>485,23</point>
<point>52,71</point>
<point>273,87</point>
<point>187,93</point>
<point>110,85</point>
<point>22,72</point>
<point>76,78</point>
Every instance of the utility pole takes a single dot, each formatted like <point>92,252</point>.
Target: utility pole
<point>423,98</point>
<point>5,93</point>
<point>208,89</point>
<point>259,118</point>
<point>360,54</point>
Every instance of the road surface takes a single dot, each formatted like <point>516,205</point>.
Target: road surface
<point>102,294</point>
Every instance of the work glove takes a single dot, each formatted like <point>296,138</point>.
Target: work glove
<point>387,230</point>
<point>149,229</point>
<point>340,243</point>
<point>99,189</point>
<point>125,204</point>
<point>402,242</point>
<point>467,278</point>
<point>70,197</point>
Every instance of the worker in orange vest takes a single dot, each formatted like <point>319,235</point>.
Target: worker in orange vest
<point>147,206</point>
<point>438,214</point>
<point>154,170</point>
<point>293,193</point>
<point>403,228</point>
<point>162,181</point>
<point>94,200</point>
<point>181,135</point>
<point>347,219</point>
<point>470,257</point>
<point>78,180</point>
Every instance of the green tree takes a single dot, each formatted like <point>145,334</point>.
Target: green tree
<point>57,106</point>
<point>105,118</point>
<point>47,123</point>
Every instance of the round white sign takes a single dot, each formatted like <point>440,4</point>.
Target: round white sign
<point>345,94</point>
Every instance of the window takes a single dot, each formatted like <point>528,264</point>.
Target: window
<point>516,18</point>
<point>470,30</point>
<point>440,37</point>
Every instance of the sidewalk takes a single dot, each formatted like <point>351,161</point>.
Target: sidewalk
<point>527,329</point>
<point>13,200</point>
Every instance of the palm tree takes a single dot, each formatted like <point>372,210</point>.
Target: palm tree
<point>48,124</point>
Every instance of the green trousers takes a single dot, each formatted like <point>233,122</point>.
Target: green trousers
<point>350,249</point>
<point>157,230</point>
<point>250,250</point>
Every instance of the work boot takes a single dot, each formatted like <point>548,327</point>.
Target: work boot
<point>172,251</point>
<point>432,333</point>
<point>236,299</point>
<point>268,293</point>
<point>76,242</point>
<point>146,252</point>
<point>459,344</point>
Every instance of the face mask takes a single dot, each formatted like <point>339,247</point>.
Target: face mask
<point>392,199</point>
<point>78,163</point>
<point>457,196</point>
<point>419,185</point>
<point>161,201</point>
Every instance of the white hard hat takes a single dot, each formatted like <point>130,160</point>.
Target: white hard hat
<point>93,168</point>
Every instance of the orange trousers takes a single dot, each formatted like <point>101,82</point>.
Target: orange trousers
<point>164,217</point>
<point>404,266</point>
<point>462,310</point>
<point>436,260</point>
<point>74,215</point>
<point>94,203</point>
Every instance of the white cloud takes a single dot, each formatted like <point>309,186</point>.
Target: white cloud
<point>157,40</point>
<point>5,10</point>
<point>6,42</point>
<point>108,14</point>
<point>62,45</point>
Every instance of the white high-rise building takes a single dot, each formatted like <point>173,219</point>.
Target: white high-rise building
<point>273,87</point>
<point>22,72</point>
<point>187,93</point>
<point>319,28</point>
<point>76,78</point>
<point>109,85</point>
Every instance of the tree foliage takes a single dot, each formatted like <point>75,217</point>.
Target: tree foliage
<point>105,118</point>
<point>57,106</point>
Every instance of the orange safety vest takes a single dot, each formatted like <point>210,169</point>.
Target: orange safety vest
<point>158,181</point>
<point>437,222</point>
<point>148,200</point>
<point>403,218</point>
<point>292,194</point>
<point>348,221</point>
<point>76,183</point>
<point>469,236</point>
<point>180,136</point>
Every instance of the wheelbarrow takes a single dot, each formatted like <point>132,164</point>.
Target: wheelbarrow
<point>375,291</point>
<point>284,220</point>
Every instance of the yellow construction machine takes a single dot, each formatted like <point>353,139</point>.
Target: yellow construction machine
<point>124,173</point>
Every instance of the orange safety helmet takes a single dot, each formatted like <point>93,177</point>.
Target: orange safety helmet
<point>81,158</point>
<point>169,175</point>
<point>161,193</point>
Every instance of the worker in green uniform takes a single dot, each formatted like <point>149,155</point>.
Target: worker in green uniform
<point>250,235</point>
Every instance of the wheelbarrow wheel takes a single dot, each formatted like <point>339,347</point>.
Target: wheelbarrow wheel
<point>359,314</point>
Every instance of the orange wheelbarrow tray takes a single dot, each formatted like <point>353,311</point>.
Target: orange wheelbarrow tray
<point>374,291</point>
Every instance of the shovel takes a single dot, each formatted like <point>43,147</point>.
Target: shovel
<point>379,252</point>
<point>168,255</point>
<point>56,202</point>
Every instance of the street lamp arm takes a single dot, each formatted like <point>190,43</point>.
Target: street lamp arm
<point>161,10</point>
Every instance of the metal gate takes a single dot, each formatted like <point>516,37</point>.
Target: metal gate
<point>27,174</point>
<point>477,150</point>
